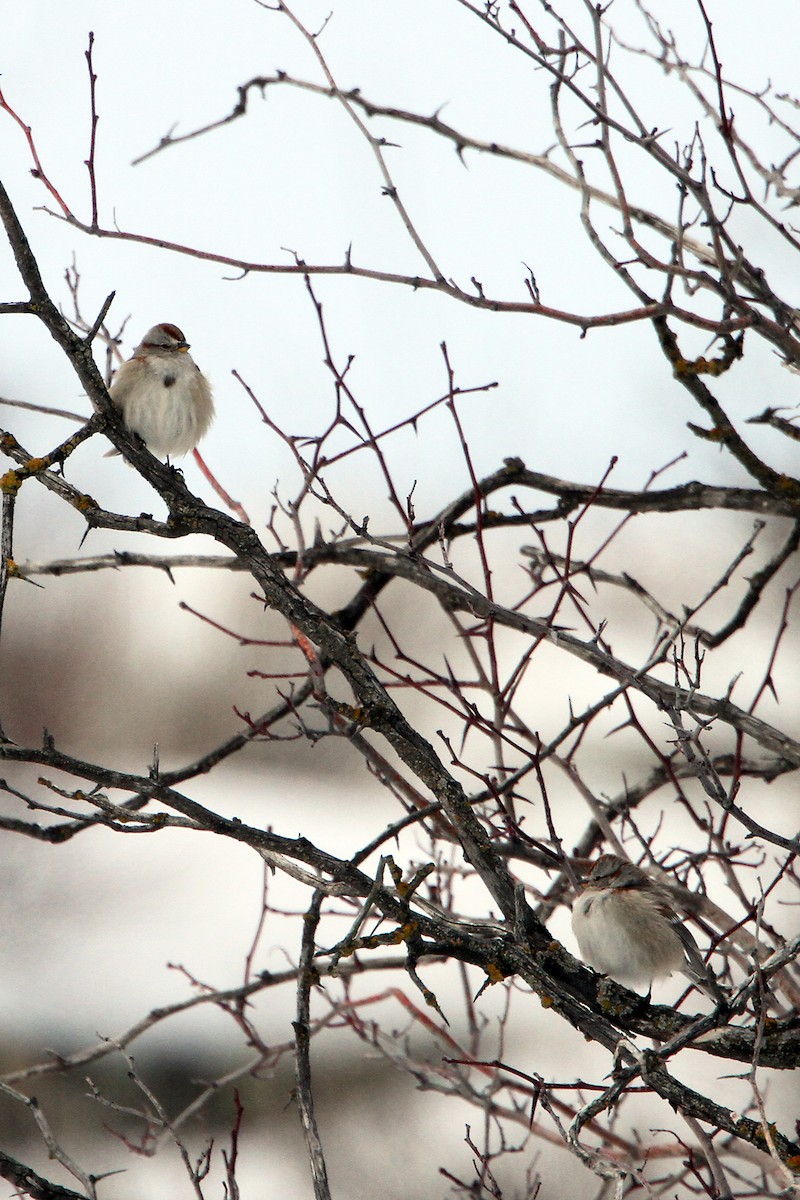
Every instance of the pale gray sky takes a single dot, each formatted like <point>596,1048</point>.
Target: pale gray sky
<point>295,175</point>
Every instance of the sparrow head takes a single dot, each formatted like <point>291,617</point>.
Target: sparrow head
<point>610,871</point>
<point>162,338</point>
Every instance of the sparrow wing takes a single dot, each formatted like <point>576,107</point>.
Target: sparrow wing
<point>697,968</point>
<point>123,382</point>
<point>121,386</point>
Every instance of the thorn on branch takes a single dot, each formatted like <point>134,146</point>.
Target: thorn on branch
<point>532,285</point>
<point>716,434</point>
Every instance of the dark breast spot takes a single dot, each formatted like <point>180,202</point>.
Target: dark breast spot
<point>168,380</point>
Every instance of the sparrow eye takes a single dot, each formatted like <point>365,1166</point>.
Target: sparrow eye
<point>604,869</point>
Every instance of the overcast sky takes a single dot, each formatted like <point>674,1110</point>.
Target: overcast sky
<point>296,176</point>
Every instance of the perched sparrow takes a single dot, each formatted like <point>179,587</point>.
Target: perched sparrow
<point>162,394</point>
<point>627,928</point>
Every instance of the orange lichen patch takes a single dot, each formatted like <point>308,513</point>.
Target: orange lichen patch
<point>10,483</point>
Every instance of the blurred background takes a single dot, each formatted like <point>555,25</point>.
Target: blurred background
<point>111,665</point>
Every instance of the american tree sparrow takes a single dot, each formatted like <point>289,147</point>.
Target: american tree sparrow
<point>162,393</point>
<point>626,927</point>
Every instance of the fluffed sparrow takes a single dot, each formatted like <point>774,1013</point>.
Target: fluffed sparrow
<point>162,393</point>
<point>626,927</point>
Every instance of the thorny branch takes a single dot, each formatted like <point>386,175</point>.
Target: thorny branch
<point>454,738</point>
